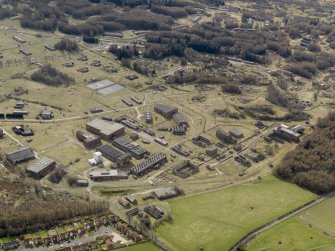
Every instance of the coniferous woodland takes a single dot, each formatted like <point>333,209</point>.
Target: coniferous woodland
<point>312,163</point>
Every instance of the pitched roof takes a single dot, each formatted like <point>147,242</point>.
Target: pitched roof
<point>23,154</point>
<point>40,165</point>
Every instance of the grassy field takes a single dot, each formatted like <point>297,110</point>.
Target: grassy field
<point>312,229</point>
<point>292,235</point>
<point>217,219</point>
<point>321,216</point>
<point>141,247</point>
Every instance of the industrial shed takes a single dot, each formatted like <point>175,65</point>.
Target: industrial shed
<point>104,129</point>
<point>21,155</point>
<point>41,168</point>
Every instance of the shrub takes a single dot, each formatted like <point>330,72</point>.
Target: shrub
<point>231,88</point>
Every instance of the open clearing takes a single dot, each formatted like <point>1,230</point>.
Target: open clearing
<point>215,220</point>
<point>321,216</point>
<point>312,229</point>
<point>292,235</point>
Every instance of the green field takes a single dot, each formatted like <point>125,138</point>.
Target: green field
<point>141,247</point>
<point>292,235</point>
<point>321,216</point>
<point>215,220</point>
<point>303,232</point>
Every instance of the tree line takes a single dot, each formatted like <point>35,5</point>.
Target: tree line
<point>33,211</point>
<point>311,164</point>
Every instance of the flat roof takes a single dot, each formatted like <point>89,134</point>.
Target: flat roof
<point>165,108</point>
<point>100,84</point>
<point>235,131</point>
<point>109,151</point>
<point>111,89</point>
<point>110,173</point>
<point>288,131</point>
<point>105,127</point>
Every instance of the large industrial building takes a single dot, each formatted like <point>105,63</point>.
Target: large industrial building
<point>154,161</point>
<point>127,145</point>
<point>41,168</point>
<point>114,155</point>
<point>284,132</point>
<point>104,129</point>
<point>165,110</point>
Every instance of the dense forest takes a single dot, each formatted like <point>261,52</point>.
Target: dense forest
<point>233,39</point>
<point>25,208</point>
<point>312,163</point>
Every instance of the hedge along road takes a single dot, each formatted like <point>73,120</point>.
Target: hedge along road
<point>285,217</point>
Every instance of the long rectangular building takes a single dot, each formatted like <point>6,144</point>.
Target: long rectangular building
<point>154,161</point>
<point>108,175</point>
<point>114,155</point>
<point>21,155</point>
<point>127,145</point>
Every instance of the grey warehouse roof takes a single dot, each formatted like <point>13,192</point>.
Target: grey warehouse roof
<point>21,155</point>
<point>40,165</point>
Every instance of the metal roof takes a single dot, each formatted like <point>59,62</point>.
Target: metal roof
<point>21,155</point>
<point>105,127</point>
<point>40,165</point>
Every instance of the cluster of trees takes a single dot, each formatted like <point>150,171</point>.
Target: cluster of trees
<point>34,213</point>
<point>7,13</point>
<point>50,76</point>
<point>311,164</point>
<point>67,45</point>
<point>104,18</point>
<point>44,18</point>
<point>175,12</point>
<point>57,175</point>
<point>38,23</point>
<point>312,27</point>
<point>276,96</point>
<point>124,51</point>
<point>208,38</point>
<point>306,64</point>
<point>231,88</point>
<point>304,69</point>
<point>139,19</point>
